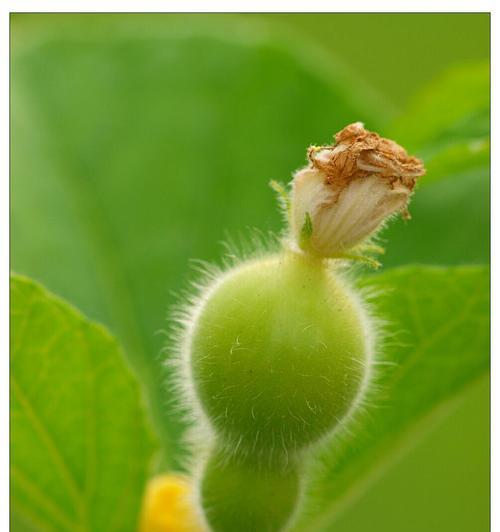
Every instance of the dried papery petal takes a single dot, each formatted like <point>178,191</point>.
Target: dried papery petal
<point>350,188</point>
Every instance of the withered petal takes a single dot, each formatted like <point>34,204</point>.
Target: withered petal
<point>358,153</point>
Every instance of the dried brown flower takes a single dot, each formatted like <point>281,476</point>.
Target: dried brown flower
<point>350,188</point>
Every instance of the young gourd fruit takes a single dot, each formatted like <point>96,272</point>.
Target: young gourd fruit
<point>238,493</point>
<point>277,352</point>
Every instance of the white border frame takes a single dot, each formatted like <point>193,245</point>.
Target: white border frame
<point>264,6</point>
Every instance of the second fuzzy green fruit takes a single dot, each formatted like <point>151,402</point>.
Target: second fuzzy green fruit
<point>239,494</point>
<point>278,354</point>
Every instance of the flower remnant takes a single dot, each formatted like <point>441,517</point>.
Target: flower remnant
<point>349,189</point>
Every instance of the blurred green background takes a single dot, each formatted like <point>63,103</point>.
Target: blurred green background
<point>140,142</point>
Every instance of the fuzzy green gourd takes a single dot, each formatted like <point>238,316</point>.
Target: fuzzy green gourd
<point>284,367</point>
<point>241,493</point>
<point>277,352</point>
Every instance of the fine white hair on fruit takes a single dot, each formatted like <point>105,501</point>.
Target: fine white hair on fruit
<point>187,311</point>
<point>254,246</point>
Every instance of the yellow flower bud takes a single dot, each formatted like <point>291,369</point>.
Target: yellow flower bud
<point>168,506</point>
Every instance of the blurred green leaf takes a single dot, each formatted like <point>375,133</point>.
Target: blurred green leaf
<point>134,151</point>
<point>448,126</point>
<point>448,123</point>
<point>80,446</point>
<point>439,345</point>
<point>450,224</point>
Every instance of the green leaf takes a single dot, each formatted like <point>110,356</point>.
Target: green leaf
<point>448,124</point>
<point>80,446</point>
<point>135,144</point>
<point>450,225</point>
<point>438,346</point>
